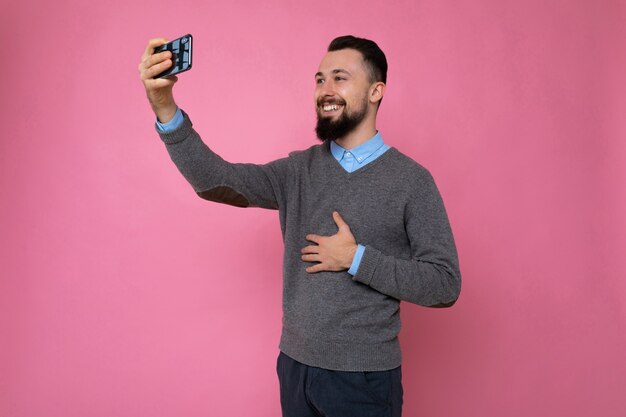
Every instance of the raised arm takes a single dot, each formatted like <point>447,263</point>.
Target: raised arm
<point>213,178</point>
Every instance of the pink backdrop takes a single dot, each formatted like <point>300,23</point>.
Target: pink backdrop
<point>123,294</point>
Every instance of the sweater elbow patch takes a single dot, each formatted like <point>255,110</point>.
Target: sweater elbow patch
<point>225,195</point>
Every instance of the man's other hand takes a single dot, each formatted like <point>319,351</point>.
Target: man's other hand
<point>333,253</point>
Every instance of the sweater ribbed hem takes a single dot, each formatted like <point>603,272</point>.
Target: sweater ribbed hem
<point>343,356</point>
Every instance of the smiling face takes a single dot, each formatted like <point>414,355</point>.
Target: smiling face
<point>342,102</point>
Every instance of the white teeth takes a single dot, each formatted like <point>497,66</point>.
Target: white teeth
<point>330,107</point>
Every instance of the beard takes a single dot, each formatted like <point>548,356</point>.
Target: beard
<point>328,129</point>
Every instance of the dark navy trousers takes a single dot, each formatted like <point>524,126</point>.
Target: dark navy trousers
<point>306,391</point>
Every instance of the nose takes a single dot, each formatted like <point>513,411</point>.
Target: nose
<point>326,89</point>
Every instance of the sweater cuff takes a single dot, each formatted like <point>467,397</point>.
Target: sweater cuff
<point>177,135</point>
<point>368,265</point>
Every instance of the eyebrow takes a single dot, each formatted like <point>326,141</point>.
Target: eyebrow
<point>335,71</point>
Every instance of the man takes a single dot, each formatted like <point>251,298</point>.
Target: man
<point>363,226</point>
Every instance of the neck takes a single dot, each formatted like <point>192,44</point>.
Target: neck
<point>361,134</point>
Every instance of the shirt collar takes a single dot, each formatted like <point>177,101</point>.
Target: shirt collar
<point>361,152</point>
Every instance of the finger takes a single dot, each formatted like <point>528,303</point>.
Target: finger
<point>154,70</point>
<point>158,83</point>
<point>339,220</point>
<point>158,58</point>
<point>155,59</point>
<point>314,238</point>
<point>310,249</point>
<point>311,258</point>
<point>315,268</point>
<point>153,43</point>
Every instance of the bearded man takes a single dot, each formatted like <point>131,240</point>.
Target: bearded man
<point>363,225</point>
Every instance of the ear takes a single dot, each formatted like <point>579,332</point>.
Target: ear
<point>377,91</point>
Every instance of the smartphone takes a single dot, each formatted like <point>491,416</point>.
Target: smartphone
<point>181,55</point>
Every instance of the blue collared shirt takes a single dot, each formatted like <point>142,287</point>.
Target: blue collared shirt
<point>349,159</point>
<point>355,158</point>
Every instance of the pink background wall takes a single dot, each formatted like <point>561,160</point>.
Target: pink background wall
<point>122,294</point>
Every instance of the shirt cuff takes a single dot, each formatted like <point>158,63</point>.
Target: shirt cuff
<point>356,261</point>
<point>173,124</point>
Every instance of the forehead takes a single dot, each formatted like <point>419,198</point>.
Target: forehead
<point>347,59</point>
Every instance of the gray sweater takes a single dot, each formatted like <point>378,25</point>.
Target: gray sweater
<point>333,320</point>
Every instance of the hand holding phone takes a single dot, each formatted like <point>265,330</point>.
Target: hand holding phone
<point>158,90</point>
<point>181,55</point>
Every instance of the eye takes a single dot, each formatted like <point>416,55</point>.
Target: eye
<point>319,81</point>
<point>338,78</point>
